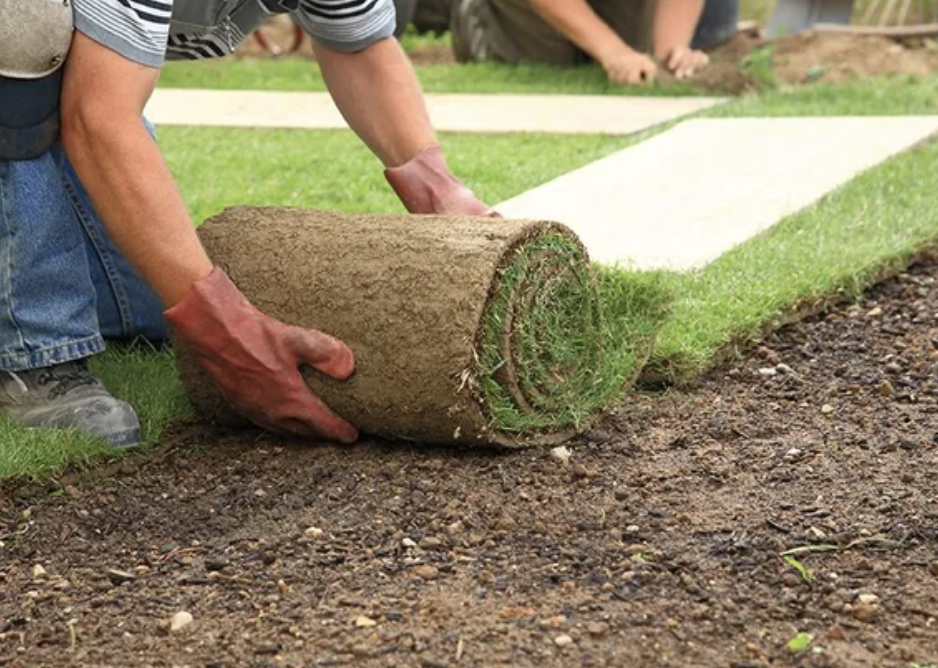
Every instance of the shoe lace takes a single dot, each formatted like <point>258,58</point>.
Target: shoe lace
<point>65,379</point>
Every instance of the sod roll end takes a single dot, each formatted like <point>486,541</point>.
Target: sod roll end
<point>465,330</point>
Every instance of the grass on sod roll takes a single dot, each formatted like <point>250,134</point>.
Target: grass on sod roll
<point>560,343</point>
<point>837,245</point>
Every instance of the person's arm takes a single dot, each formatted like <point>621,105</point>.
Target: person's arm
<point>577,21</point>
<point>378,93</point>
<point>674,26</point>
<point>253,359</point>
<point>121,167</point>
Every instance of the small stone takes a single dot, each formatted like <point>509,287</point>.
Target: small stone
<point>865,612</point>
<point>816,534</point>
<point>933,569</point>
<point>455,528</point>
<point>827,409</point>
<point>886,389</point>
<point>873,312</point>
<point>632,528</point>
<point>868,599</point>
<point>179,621</point>
<point>561,453</point>
<point>217,564</point>
<point>768,372</point>
<point>563,640</point>
<point>365,622</point>
<point>431,543</point>
<point>313,532</point>
<point>557,622</point>
<point>836,632</point>
<point>621,494</point>
<point>39,572</point>
<point>259,493</point>
<point>597,629</point>
<point>427,572</point>
<point>785,369</point>
<point>409,543</point>
<point>119,577</point>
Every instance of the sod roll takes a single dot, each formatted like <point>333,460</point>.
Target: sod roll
<point>465,330</point>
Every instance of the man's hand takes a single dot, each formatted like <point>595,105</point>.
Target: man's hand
<point>626,66</point>
<point>425,185</point>
<point>254,359</point>
<point>684,62</point>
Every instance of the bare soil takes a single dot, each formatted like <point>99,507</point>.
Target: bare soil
<point>814,57</point>
<point>658,544</point>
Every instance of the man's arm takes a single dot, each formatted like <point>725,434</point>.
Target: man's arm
<point>577,21</point>
<point>378,93</point>
<point>121,167</point>
<point>674,26</point>
<point>253,359</point>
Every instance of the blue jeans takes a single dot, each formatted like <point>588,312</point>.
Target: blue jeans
<point>64,287</point>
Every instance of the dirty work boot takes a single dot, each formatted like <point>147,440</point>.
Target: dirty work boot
<point>67,396</point>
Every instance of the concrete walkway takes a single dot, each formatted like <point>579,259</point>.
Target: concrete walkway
<point>564,114</point>
<point>686,196</point>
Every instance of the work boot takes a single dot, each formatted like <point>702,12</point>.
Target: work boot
<point>67,396</point>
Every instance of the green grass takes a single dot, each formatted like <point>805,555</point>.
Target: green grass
<point>834,248</point>
<point>297,74</point>
<point>560,342</point>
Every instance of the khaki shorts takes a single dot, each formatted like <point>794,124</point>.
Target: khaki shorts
<point>512,31</point>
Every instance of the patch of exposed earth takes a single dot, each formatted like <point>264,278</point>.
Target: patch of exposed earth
<point>659,543</point>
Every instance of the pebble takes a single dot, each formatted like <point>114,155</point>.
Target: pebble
<point>455,528</point>
<point>427,572</point>
<point>561,453</point>
<point>784,368</point>
<point>597,629</point>
<point>313,532</point>
<point>364,622</point>
<point>873,312</point>
<point>408,542</point>
<point>217,564</point>
<point>886,389</point>
<point>180,620</point>
<point>933,569</point>
<point>118,577</point>
<point>836,632</point>
<point>38,572</point>
<point>563,640</point>
<point>865,612</point>
<point>827,409</point>
<point>768,372</point>
<point>868,599</point>
<point>431,543</point>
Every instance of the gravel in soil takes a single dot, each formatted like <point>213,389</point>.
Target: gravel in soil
<point>659,543</point>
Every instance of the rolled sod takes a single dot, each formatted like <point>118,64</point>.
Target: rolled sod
<point>465,330</point>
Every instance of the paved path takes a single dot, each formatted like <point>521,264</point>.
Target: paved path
<point>686,196</point>
<point>575,114</point>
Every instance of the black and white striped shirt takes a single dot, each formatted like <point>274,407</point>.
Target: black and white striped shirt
<point>147,31</point>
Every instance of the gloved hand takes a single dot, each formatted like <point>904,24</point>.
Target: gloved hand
<point>425,185</point>
<point>254,359</point>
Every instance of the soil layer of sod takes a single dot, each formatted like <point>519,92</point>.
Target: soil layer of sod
<point>465,330</point>
<point>662,542</point>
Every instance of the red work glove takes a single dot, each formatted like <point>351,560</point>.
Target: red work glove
<point>254,359</point>
<point>425,185</point>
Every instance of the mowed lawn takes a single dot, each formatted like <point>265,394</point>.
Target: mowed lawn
<point>832,249</point>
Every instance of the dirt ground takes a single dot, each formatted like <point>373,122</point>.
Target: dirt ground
<point>743,64</point>
<point>657,544</point>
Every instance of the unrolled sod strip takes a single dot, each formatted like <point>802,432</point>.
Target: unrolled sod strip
<point>465,330</point>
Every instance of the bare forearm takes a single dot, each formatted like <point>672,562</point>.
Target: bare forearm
<point>138,202</point>
<point>674,25</point>
<point>379,95</point>
<point>577,21</point>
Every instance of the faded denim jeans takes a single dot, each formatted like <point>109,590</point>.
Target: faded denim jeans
<point>64,287</point>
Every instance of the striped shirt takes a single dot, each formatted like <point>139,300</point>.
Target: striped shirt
<point>149,31</point>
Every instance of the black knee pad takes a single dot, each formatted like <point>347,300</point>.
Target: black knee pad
<point>29,116</point>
